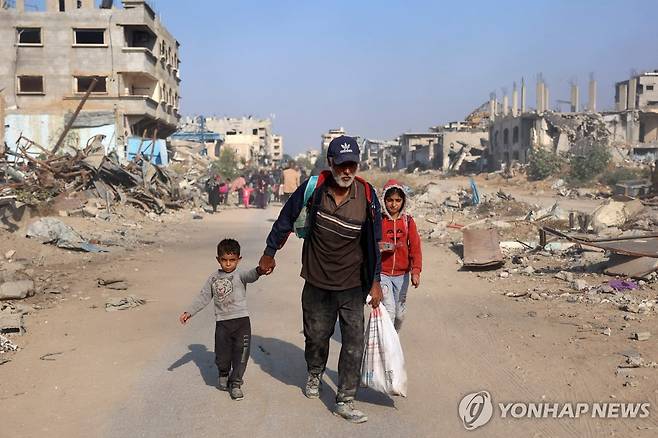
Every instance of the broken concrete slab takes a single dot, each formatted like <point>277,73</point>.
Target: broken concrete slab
<point>641,336</point>
<point>482,249</point>
<point>16,290</point>
<point>615,214</point>
<point>11,323</point>
<point>632,267</point>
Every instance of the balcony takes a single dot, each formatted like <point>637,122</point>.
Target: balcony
<point>138,59</point>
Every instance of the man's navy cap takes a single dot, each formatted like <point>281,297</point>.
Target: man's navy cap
<point>344,149</point>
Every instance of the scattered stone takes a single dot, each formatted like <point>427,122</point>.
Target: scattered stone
<point>7,345</point>
<point>484,315</point>
<point>529,270</point>
<point>114,304</point>
<point>532,314</point>
<point>606,289</point>
<point>641,336</point>
<point>516,294</point>
<point>16,290</point>
<point>566,276</point>
<point>11,322</point>
<point>90,211</point>
<point>579,285</point>
<point>535,296</point>
<point>629,318</point>
<point>10,254</point>
<point>631,384</point>
<point>607,331</point>
<point>63,213</point>
<point>504,274</point>
<point>631,307</point>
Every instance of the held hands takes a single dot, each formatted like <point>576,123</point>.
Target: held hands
<point>266,265</point>
<point>184,318</point>
<point>415,280</point>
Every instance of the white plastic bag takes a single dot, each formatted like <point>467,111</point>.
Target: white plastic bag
<point>382,368</point>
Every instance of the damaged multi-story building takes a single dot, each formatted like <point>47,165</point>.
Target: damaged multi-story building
<point>514,132</point>
<point>251,138</point>
<point>51,57</point>
<point>636,100</point>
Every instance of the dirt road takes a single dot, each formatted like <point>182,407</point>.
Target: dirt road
<point>138,373</point>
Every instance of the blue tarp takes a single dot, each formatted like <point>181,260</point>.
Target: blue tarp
<point>158,156</point>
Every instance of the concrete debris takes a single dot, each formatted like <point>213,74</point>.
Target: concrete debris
<point>10,254</point>
<point>607,331</point>
<point>11,323</point>
<point>16,290</point>
<point>482,249</point>
<point>615,214</point>
<point>51,230</point>
<point>138,183</point>
<point>641,336</point>
<point>579,285</point>
<point>128,302</point>
<point>7,345</point>
<point>113,283</point>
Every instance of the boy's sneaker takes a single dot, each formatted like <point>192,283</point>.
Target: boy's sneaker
<point>223,383</point>
<point>347,411</point>
<point>313,385</point>
<point>236,393</point>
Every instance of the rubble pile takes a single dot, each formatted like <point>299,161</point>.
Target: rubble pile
<point>34,180</point>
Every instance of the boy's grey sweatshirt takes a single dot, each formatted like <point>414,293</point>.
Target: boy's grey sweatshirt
<point>228,291</point>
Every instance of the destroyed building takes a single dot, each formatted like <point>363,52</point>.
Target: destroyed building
<point>419,149</point>
<point>636,100</point>
<point>381,154</point>
<point>515,132</point>
<point>51,57</point>
<point>251,138</point>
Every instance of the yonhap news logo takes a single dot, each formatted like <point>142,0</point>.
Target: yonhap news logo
<point>477,409</point>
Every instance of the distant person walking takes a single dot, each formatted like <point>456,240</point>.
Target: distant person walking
<point>291,180</point>
<point>212,188</point>
<point>237,185</point>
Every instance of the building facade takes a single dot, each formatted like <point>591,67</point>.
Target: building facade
<point>637,99</point>
<point>50,58</point>
<point>250,137</point>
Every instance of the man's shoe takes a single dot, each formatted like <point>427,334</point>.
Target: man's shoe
<point>346,410</point>
<point>223,383</point>
<point>236,393</point>
<point>313,385</point>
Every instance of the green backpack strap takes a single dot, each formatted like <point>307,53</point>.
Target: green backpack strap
<point>310,188</point>
<point>301,225</point>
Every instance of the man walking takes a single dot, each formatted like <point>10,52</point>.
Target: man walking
<point>290,180</point>
<point>341,264</point>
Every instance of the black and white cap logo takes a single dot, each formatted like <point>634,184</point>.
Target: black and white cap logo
<point>476,409</point>
<point>346,148</point>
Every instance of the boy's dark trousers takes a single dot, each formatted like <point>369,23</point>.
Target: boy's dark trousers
<point>232,341</point>
<point>320,310</point>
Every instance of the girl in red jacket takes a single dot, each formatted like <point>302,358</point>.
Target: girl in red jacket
<point>401,253</point>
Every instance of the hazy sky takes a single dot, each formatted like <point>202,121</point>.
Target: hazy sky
<point>380,68</point>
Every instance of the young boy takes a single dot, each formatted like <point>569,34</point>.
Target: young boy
<point>401,253</point>
<point>227,287</point>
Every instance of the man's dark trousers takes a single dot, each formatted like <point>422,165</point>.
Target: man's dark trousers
<point>320,309</point>
<point>232,341</point>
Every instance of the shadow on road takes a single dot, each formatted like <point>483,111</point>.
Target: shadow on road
<point>285,362</point>
<point>203,359</point>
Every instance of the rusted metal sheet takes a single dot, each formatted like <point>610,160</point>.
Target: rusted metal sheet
<point>638,246</point>
<point>482,248</point>
<point>633,267</point>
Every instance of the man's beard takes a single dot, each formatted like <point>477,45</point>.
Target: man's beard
<point>339,180</point>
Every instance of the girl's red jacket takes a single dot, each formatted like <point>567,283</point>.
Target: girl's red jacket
<point>403,234</point>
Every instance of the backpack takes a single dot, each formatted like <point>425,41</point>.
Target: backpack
<point>301,223</point>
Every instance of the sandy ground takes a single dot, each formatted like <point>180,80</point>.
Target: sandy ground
<point>138,373</point>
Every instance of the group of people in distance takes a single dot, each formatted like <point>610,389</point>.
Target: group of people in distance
<point>255,188</point>
<point>353,248</point>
